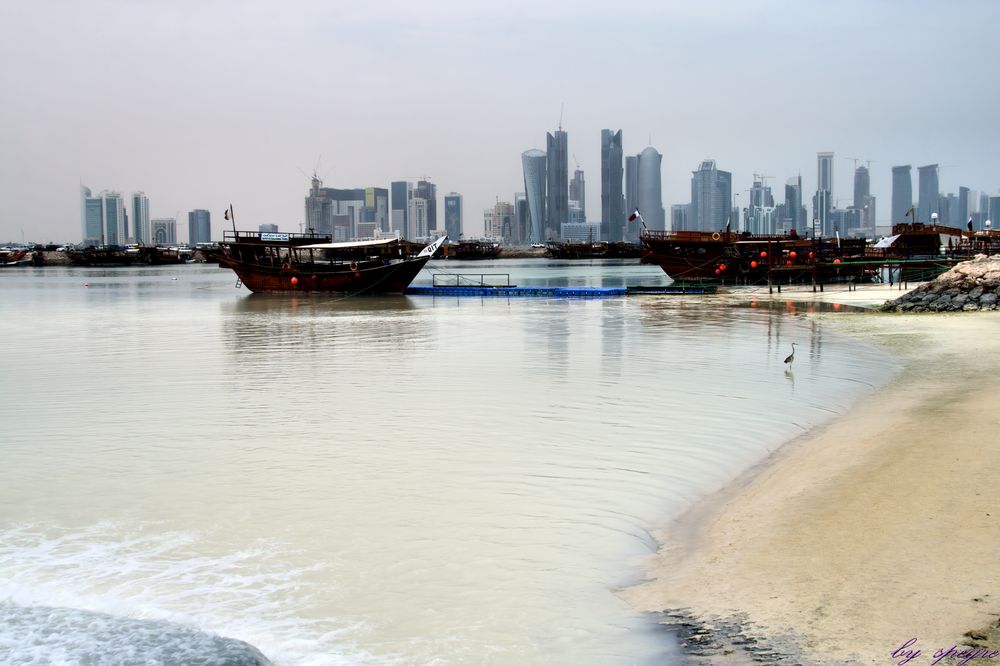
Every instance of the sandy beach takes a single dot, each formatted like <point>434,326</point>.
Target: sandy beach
<point>879,528</point>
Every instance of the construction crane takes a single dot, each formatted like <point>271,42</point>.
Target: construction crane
<point>868,163</point>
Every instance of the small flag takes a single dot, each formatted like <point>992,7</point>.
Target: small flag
<point>227,213</point>
<point>631,218</point>
<point>970,223</point>
<point>910,212</point>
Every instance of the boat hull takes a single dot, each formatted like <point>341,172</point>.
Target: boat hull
<point>392,278</point>
<point>744,259</point>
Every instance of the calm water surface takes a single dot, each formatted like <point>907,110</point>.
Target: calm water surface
<point>404,480</point>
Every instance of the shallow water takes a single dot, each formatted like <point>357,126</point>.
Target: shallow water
<point>407,480</point>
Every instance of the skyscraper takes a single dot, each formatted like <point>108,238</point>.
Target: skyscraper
<point>612,202</point>
<point>578,192</point>
<point>199,227</point>
<point>453,215</point>
<point>401,193</point>
<point>650,190</point>
<point>964,210</point>
<point>521,219</point>
<point>711,198</point>
<point>556,181</point>
<point>902,193</point>
<point>91,217</point>
<point>115,226</point>
<point>533,163</point>
<point>824,172</point>
<point>631,183</point>
<point>140,218</point>
<point>928,192</point>
<point>795,215</point>
<point>426,190</point>
<point>346,213</point>
<point>862,186</point>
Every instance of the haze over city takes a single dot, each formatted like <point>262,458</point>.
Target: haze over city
<point>201,105</point>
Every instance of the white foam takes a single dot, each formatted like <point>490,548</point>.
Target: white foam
<point>144,574</point>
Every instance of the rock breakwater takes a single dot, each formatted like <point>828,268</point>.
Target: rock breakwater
<point>970,286</point>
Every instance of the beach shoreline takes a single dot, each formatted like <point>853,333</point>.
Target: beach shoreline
<point>877,528</point>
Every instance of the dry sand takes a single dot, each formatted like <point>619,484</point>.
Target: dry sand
<point>878,528</point>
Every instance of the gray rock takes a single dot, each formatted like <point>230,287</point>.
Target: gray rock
<point>987,300</point>
<point>975,293</point>
<point>970,307</point>
<point>940,303</point>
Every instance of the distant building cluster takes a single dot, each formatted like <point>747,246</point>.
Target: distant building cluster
<point>109,219</point>
<point>552,205</point>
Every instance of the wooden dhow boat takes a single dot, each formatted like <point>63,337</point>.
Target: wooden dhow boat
<point>308,263</point>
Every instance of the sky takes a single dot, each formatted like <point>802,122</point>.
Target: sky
<point>203,103</point>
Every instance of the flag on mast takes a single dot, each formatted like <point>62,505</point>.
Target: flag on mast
<point>637,214</point>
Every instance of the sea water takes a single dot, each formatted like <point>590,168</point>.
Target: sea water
<point>390,480</point>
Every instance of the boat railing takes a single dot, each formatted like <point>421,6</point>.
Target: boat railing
<point>256,237</point>
<point>496,280</point>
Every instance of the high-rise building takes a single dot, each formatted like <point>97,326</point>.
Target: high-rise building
<point>199,227</point>
<point>556,181</point>
<point>902,193</point>
<point>498,221</point>
<point>824,172</point>
<point>163,231</point>
<point>453,215</point>
<point>578,193</point>
<point>862,186</point>
<point>679,217</point>
<point>417,219</point>
<point>650,191</point>
<point>994,212</point>
<point>426,190</point>
<point>91,218</point>
<point>533,164</point>
<point>631,184</point>
<point>613,216</point>
<point>402,191</point>
<point>140,218</point>
<point>711,198</point>
<point>928,192</point>
<point>94,221</point>
<point>521,217</point>
<point>823,223</point>
<point>267,228</point>
<point>795,212</point>
<point>761,218</point>
<point>115,222</point>
<point>346,213</point>
<point>964,209</point>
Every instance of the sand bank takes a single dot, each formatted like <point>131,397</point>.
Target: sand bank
<point>880,527</point>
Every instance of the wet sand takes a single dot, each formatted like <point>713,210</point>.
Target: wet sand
<point>881,527</point>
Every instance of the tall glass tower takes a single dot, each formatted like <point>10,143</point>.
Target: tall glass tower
<point>612,199</point>
<point>651,189</point>
<point>557,180</point>
<point>902,193</point>
<point>533,163</point>
<point>929,193</point>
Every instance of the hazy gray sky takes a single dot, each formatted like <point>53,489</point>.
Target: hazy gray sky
<point>204,102</point>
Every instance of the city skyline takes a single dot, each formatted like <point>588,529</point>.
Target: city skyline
<point>217,110</point>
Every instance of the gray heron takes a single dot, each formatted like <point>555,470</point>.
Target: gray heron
<point>791,357</point>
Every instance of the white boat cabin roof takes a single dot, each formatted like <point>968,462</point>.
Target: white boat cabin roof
<point>348,244</point>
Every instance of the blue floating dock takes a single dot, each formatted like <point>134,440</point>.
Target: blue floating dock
<point>557,292</point>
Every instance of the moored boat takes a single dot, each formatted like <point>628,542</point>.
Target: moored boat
<point>593,250</point>
<point>743,258</point>
<point>308,263</point>
<point>16,257</point>
<point>472,249</point>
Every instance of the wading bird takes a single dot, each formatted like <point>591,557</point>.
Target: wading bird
<point>791,357</point>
